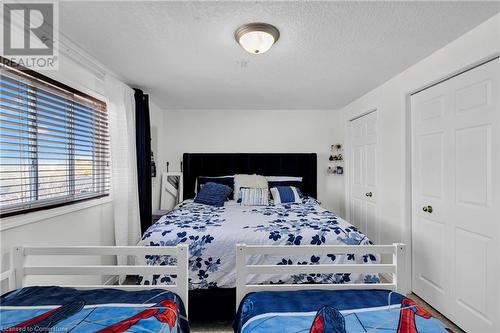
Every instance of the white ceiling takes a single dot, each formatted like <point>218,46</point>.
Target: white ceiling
<point>329,53</point>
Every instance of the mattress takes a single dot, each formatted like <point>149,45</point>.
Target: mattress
<point>213,232</point>
<point>58,309</point>
<point>342,311</point>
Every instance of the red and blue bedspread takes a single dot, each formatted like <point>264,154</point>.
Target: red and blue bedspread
<point>342,311</point>
<point>57,309</point>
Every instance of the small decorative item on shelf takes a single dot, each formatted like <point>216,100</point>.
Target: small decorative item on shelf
<point>336,158</point>
<point>336,146</point>
<point>335,170</point>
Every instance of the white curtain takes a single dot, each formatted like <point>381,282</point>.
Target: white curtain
<point>121,110</point>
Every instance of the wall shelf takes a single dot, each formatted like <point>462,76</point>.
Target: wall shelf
<point>336,160</point>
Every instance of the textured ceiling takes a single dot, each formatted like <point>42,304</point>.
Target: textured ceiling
<point>329,53</point>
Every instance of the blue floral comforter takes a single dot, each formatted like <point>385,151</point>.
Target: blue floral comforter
<point>213,232</point>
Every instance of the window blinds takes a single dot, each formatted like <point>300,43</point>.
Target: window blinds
<point>54,144</point>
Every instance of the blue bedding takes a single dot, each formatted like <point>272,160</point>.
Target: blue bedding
<point>357,311</point>
<point>58,309</point>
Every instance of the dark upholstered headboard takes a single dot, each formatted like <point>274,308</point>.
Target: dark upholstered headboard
<point>268,164</point>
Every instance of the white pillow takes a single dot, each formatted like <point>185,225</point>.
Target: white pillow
<point>285,194</point>
<point>248,181</point>
<point>254,196</point>
<point>283,179</point>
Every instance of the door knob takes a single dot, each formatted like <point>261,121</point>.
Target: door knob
<point>369,194</point>
<point>427,209</point>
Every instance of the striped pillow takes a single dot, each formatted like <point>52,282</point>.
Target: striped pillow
<point>275,181</point>
<point>254,196</point>
<point>285,194</point>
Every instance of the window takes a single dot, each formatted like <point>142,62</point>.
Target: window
<point>54,143</point>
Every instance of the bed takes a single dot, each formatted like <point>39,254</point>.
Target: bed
<point>211,233</point>
<point>332,308</point>
<point>94,308</point>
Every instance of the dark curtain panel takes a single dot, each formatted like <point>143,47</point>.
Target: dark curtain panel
<point>143,147</point>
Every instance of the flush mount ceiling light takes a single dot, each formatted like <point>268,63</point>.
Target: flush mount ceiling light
<point>257,38</point>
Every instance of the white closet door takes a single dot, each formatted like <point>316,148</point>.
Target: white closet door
<point>363,174</point>
<point>456,197</point>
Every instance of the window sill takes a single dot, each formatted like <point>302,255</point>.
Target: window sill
<point>33,217</point>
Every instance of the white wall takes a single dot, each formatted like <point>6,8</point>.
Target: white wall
<point>281,131</point>
<point>88,226</point>
<point>391,100</point>
<point>86,223</point>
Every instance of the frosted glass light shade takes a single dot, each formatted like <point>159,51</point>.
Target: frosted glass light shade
<point>257,38</point>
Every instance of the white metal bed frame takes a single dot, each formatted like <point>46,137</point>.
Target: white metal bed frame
<point>19,270</point>
<point>243,269</point>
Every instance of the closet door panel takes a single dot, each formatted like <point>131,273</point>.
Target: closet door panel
<point>455,170</point>
<point>474,212</point>
<point>363,175</point>
<point>473,166</point>
<point>431,154</point>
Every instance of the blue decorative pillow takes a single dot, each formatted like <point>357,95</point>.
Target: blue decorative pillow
<point>296,184</point>
<point>213,194</point>
<point>224,180</point>
<point>285,194</point>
